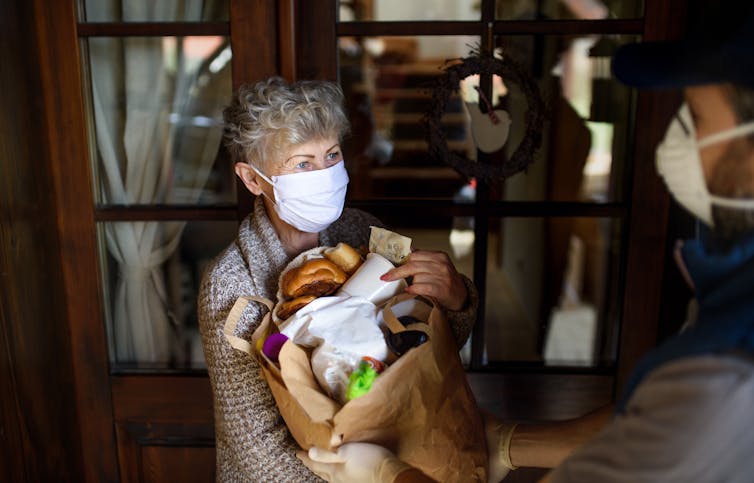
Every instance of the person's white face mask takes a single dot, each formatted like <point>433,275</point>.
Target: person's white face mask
<point>679,164</point>
<point>311,200</point>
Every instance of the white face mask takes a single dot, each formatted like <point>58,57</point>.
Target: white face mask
<point>311,200</point>
<point>679,164</point>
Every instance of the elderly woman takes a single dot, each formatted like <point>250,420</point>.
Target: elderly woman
<point>285,142</point>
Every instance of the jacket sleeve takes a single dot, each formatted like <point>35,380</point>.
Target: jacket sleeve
<point>689,420</point>
<point>253,443</point>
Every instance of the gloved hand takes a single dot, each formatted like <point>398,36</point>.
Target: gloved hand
<point>498,436</point>
<point>354,462</point>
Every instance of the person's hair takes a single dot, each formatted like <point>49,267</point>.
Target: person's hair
<point>741,99</point>
<point>268,116</point>
<point>732,177</point>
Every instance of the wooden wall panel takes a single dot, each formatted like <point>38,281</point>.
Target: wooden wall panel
<point>60,127</point>
<point>542,397</point>
<point>39,438</point>
<point>649,206</point>
<point>165,428</point>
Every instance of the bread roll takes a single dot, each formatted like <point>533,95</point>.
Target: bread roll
<point>344,256</point>
<point>292,306</point>
<point>314,277</point>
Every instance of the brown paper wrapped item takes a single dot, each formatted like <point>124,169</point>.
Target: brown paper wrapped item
<point>421,407</point>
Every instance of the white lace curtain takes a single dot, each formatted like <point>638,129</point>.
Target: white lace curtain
<point>137,101</point>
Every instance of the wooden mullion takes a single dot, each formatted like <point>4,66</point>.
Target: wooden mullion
<point>153,29</point>
<point>165,213</point>
<point>287,16</point>
<point>316,54</point>
<point>254,42</point>
<point>518,209</point>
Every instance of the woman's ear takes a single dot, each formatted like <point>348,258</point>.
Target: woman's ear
<point>250,178</point>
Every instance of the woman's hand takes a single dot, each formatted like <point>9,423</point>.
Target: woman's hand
<point>433,275</point>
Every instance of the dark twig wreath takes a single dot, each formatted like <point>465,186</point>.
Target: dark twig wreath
<point>449,83</point>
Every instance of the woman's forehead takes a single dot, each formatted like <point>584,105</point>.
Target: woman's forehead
<point>314,148</point>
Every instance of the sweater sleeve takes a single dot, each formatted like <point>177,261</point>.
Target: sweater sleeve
<point>462,321</point>
<point>253,443</point>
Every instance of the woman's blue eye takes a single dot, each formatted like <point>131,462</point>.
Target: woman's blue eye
<point>302,165</point>
<point>333,155</point>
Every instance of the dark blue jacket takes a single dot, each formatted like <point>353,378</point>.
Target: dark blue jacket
<point>724,285</point>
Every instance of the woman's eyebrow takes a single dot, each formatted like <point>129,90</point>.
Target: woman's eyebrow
<point>300,156</point>
<point>305,155</point>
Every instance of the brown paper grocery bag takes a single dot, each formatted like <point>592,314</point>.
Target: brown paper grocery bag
<point>421,407</point>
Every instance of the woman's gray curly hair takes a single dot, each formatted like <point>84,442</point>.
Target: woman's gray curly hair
<point>270,115</point>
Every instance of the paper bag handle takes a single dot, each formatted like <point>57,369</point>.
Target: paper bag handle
<point>395,325</point>
<point>234,316</point>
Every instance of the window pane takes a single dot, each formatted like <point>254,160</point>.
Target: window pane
<point>456,239</point>
<point>150,277</point>
<point>568,9</point>
<point>156,11</point>
<point>156,115</point>
<point>552,286</point>
<point>387,82</point>
<point>394,10</point>
<point>586,139</point>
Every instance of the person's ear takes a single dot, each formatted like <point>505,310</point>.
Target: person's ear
<point>249,177</point>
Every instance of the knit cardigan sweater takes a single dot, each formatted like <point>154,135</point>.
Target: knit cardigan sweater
<point>252,441</point>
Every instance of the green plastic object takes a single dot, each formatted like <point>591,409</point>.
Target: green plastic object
<point>360,380</point>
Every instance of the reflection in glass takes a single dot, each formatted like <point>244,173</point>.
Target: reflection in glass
<point>153,11</point>
<point>387,82</point>
<point>457,240</point>
<point>401,10</point>
<point>157,106</point>
<point>156,110</point>
<point>551,290</point>
<point>427,10</point>
<point>150,309</point>
<point>586,137</point>
<point>567,9</point>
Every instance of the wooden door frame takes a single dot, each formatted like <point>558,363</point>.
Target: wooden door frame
<point>64,125</point>
<point>63,128</point>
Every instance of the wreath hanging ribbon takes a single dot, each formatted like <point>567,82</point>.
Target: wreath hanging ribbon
<point>449,83</point>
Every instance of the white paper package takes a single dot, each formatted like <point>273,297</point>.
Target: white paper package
<point>343,329</point>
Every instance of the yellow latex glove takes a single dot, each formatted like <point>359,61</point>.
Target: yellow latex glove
<point>499,435</point>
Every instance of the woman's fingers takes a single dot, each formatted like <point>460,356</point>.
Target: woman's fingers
<point>433,275</point>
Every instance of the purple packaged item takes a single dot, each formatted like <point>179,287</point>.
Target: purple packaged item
<point>272,345</point>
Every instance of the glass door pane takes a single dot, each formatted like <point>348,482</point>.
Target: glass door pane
<point>157,115</point>
<point>568,9</point>
<point>552,291</point>
<point>154,105</point>
<point>153,11</point>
